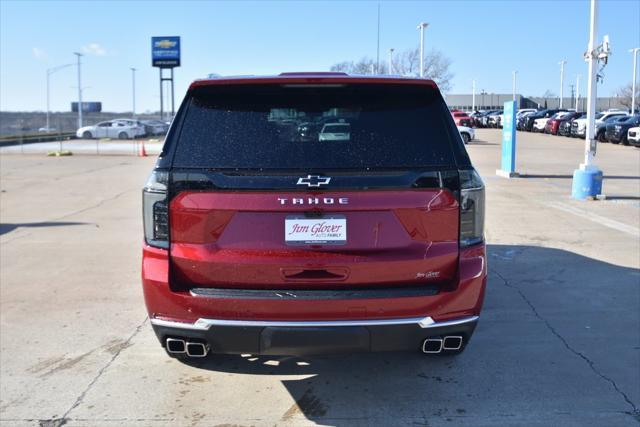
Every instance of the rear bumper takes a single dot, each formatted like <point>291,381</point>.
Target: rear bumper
<point>244,321</point>
<point>313,337</point>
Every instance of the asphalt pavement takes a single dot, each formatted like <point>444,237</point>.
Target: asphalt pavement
<point>558,342</point>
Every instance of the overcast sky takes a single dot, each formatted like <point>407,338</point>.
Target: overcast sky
<point>485,40</point>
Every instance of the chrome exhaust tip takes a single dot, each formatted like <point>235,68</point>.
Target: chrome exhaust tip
<point>176,346</point>
<point>197,349</point>
<point>453,342</point>
<point>432,345</point>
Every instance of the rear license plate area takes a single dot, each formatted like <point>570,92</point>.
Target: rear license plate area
<point>325,230</point>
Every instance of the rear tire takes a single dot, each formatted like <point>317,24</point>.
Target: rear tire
<point>87,135</point>
<point>123,135</point>
<point>625,141</point>
<point>601,137</point>
<point>465,137</point>
<point>614,142</point>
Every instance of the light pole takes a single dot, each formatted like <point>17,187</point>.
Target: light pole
<point>79,55</point>
<point>133,91</point>
<point>49,72</point>
<point>561,79</point>
<point>577,92</point>
<point>391,61</point>
<point>587,179</point>
<point>421,27</point>
<point>473,95</point>
<point>634,51</point>
<point>515,73</point>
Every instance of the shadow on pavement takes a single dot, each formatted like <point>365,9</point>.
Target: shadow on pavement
<point>482,142</point>
<point>8,227</point>
<point>543,348</point>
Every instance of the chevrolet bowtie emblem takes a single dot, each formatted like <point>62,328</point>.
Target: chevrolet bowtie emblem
<point>314,180</point>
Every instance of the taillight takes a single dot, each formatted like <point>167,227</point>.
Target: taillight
<point>471,208</point>
<point>155,210</point>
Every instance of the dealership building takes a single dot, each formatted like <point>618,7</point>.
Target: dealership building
<point>495,101</point>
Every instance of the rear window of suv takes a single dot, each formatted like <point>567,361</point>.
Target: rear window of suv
<point>286,126</point>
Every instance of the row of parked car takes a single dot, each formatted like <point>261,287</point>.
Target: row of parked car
<point>615,126</point>
<point>123,129</point>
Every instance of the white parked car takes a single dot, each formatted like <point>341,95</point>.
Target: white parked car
<point>523,111</point>
<point>579,125</point>
<point>119,128</point>
<point>335,132</point>
<point>467,133</point>
<point>633,136</point>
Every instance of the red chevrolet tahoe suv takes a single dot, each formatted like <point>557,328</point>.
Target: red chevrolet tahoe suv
<point>313,213</point>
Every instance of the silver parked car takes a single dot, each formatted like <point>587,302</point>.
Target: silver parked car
<point>119,128</point>
<point>155,127</point>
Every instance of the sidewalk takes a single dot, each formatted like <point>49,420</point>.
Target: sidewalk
<point>85,146</point>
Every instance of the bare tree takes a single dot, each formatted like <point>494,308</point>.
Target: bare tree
<point>549,94</point>
<point>406,63</point>
<point>365,65</point>
<point>436,66</point>
<point>624,95</point>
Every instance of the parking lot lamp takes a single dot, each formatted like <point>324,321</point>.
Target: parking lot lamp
<point>79,55</point>
<point>421,27</point>
<point>391,61</point>
<point>133,91</point>
<point>634,52</point>
<point>473,95</point>
<point>561,80</point>
<point>577,91</point>
<point>587,179</point>
<point>49,72</point>
<point>515,73</point>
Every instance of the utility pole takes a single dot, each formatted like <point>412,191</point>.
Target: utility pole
<point>515,73</point>
<point>133,91</point>
<point>390,71</point>
<point>634,52</point>
<point>561,80</point>
<point>378,46</point>
<point>421,27</point>
<point>49,72</point>
<point>79,55</point>
<point>473,95</point>
<point>572,94</point>
<point>577,92</point>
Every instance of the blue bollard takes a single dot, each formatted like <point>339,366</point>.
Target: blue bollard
<point>586,183</point>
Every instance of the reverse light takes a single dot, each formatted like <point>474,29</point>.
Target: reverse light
<point>471,208</point>
<point>155,210</point>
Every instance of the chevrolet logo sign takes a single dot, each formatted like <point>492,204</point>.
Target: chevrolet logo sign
<point>165,44</point>
<point>314,181</point>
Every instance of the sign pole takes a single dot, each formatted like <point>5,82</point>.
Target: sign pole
<point>165,53</point>
<point>508,163</point>
<point>173,110</point>
<point>161,96</point>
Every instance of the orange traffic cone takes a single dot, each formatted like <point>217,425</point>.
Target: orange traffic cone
<point>143,152</point>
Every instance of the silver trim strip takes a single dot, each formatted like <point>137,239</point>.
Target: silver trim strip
<point>205,324</point>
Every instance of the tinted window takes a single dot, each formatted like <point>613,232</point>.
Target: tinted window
<point>285,127</point>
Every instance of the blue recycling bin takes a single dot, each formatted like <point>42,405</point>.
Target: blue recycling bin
<point>586,183</point>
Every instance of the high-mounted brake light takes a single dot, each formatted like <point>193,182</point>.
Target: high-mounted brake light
<point>156,210</point>
<point>471,208</point>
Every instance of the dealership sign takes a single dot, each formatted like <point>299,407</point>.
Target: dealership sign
<point>165,52</point>
<point>87,107</point>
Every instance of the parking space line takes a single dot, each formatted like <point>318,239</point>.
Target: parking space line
<point>599,219</point>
